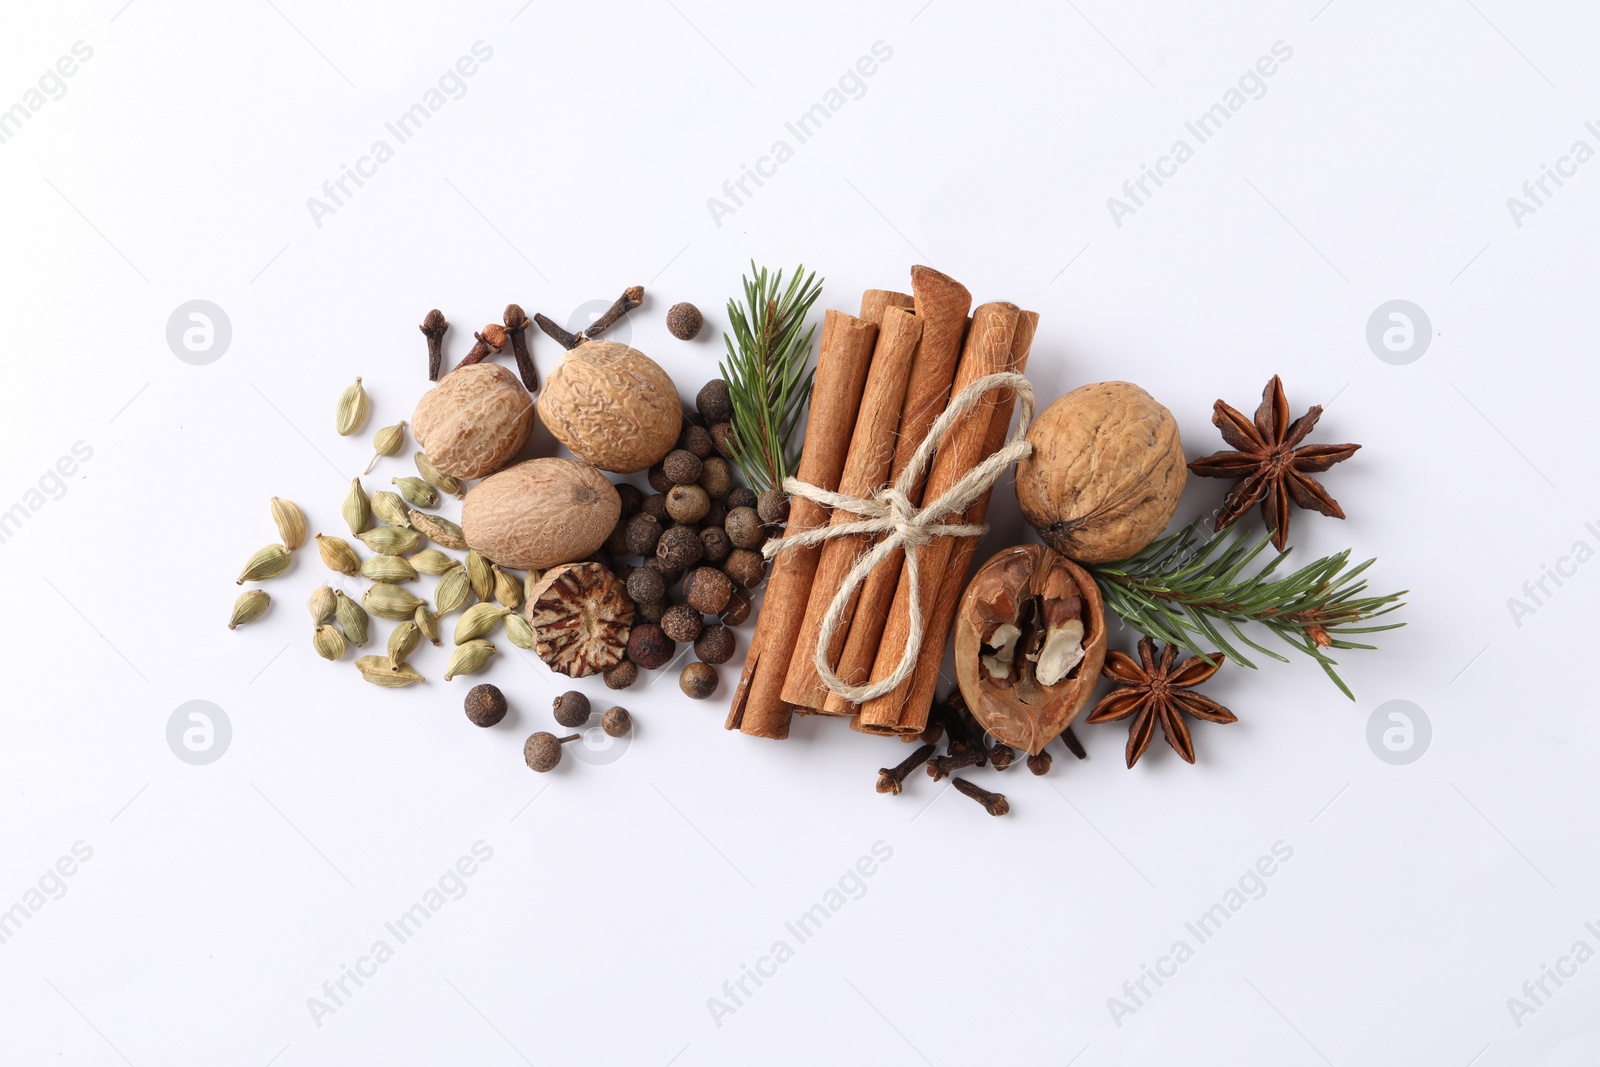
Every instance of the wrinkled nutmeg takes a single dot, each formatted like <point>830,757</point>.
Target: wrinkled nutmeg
<point>1030,641</point>
<point>612,406</point>
<point>581,617</point>
<point>474,421</point>
<point>540,512</point>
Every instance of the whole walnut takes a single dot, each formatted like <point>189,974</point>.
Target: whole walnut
<point>540,513</point>
<point>612,406</point>
<point>1106,472</point>
<point>474,421</point>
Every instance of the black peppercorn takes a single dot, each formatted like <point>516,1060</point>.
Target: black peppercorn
<point>643,533</point>
<point>679,548</point>
<point>682,623</point>
<point>716,477</point>
<point>645,584</point>
<point>745,567</point>
<point>543,750</point>
<point>715,644</point>
<point>715,541</point>
<point>713,402</point>
<point>740,496</point>
<point>655,506</point>
<point>681,467</point>
<point>684,321</point>
<point>616,722</point>
<point>631,497</point>
<point>485,705</point>
<point>773,507</point>
<point>697,439</point>
<point>707,590</point>
<point>744,528</point>
<point>698,680</point>
<point>657,477</point>
<point>621,676</point>
<point>739,607</point>
<point>572,709</point>
<point>649,647</point>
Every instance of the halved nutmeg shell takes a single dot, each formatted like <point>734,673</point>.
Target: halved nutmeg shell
<point>581,617</point>
<point>1030,641</point>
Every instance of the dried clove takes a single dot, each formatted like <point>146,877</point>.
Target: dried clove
<point>631,298</point>
<point>566,340</point>
<point>993,803</point>
<point>940,767</point>
<point>1074,746</point>
<point>433,328</point>
<point>962,730</point>
<point>889,778</point>
<point>1001,757</point>
<point>516,325</point>
<point>492,339</point>
<point>1040,764</point>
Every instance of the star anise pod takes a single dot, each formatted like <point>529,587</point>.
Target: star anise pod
<point>1272,465</point>
<point>1156,693</point>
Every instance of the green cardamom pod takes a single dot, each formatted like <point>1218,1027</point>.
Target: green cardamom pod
<point>379,671</point>
<point>418,492</point>
<point>389,602</point>
<point>518,630</point>
<point>322,604</point>
<point>451,593</point>
<point>338,555</point>
<point>388,569</point>
<point>357,508</point>
<point>507,590</point>
<point>403,641</point>
<point>426,623</point>
<point>390,508</point>
<point>251,605</point>
<point>268,563</point>
<point>387,442</point>
<point>478,620</point>
<point>437,478</point>
<point>470,658</point>
<point>530,582</point>
<point>432,561</point>
<point>329,642</point>
<point>291,523</point>
<point>352,619</point>
<point>352,411</point>
<point>391,540</point>
<point>480,575</point>
<point>438,529</point>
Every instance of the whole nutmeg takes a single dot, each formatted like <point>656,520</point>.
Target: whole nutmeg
<point>649,647</point>
<point>657,477</point>
<point>474,421</point>
<point>612,406</point>
<point>1105,474</point>
<point>744,528</point>
<point>643,532</point>
<point>707,590</point>
<point>745,567</point>
<point>631,498</point>
<point>739,608</point>
<point>679,548</point>
<point>698,680</point>
<point>681,467</point>
<point>716,477</point>
<point>715,541</point>
<point>540,513</point>
<point>714,645</point>
<point>696,439</point>
<point>687,503</point>
<point>721,435</point>
<point>624,674</point>
<point>650,610</point>
<point>655,506</point>
<point>773,507</point>
<point>485,705</point>
<point>713,402</point>
<point>740,496</point>
<point>616,722</point>
<point>571,708</point>
<point>682,623</point>
<point>684,321</point>
<point>645,584</point>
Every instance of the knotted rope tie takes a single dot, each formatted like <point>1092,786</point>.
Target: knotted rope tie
<point>890,512</point>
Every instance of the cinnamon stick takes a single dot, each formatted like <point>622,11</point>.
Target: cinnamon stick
<point>987,351</point>
<point>942,304</point>
<point>843,356</point>
<point>872,448</point>
<point>875,301</point>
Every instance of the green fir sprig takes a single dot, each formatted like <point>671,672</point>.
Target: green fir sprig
<point>1185,590</point>
<point>767,372</point>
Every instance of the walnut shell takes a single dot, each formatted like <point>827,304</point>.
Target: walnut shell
<point>612,406</point>
<point>474,421</point>
<point>581,618</point>
<point>1106,472</point>
<point>539,513</point>
<point>1029,617</point>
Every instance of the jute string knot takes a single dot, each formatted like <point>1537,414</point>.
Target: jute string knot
<point>897,523</point>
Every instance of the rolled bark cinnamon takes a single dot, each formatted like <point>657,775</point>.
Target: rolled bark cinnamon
<point>872,449</point>
<point>988,350</point>
<point>942,304</point>
<point>843,356</point>
<point>875,301</point>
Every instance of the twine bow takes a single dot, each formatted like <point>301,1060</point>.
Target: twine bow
<point>890,512</point>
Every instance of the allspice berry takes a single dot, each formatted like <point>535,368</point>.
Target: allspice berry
<point>698,680</point>
<point>739,608</point>
<point>773,507</point>
<point>624,674</point>
<point>707,590</point>
<point>631,498</point>
<point>650,610</point>
<point>679,548</point>
<point>682,623</point>
<point>681,467</point>
<point>617,542</point>
<point>649,647</point>
<point>714,540</point>
<point>721,434</point>
<point>715,515</point>
<point>714,645</point>
<point>697,439</point>
<point>572,708</point>
<point>643,533</point>
<point>684,321</point>
<point>740,496</point>
<point>688,503</point>
<point>645,584</point>
<point>543,750</point>
<point>655,506</point>
<point>616,722</point>
<point>657,477</point>
<point>716,477</point>
<point>485,705</point>
<point>714,403</point>
<point>745,567</point>
<point>744,528</point>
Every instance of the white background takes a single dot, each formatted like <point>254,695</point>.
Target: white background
<point>620,898</point>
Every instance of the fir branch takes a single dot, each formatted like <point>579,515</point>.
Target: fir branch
<point>1186,591</point>
<point>767,373</point>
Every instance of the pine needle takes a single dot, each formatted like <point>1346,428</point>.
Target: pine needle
<point>767,373</point>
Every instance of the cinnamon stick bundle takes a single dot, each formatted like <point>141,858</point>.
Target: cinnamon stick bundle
<point>872,449</point>
<point>988,350</point>
<point>875,301</point>
<point>941,303</point>
<point>843,357</point>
